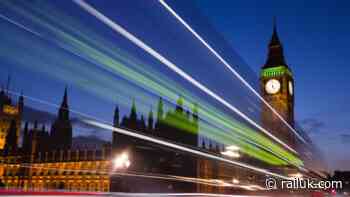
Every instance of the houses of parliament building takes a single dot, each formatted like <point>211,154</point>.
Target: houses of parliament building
<point>45,159</point>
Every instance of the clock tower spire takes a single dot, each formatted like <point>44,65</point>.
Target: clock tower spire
<point>275,54</point>
<point>277,88</point>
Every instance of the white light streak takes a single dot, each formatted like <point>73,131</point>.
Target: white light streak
<point>180,194</point>
<point>179,147</point>
<point>232,148</point>
<point>122,194</point>
<point>231,154</point>
<point>74,111</point>
<point>19,25</point>
<point>227,65</point>
<point>119,29</point>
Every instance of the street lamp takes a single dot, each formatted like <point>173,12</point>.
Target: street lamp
<point>235,181</point>
<point>231,154</point>
<point>231,151</point>
<point>232,148</point>
<point>121,161</point>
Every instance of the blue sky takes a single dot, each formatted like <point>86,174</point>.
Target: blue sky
<point>315,35</point>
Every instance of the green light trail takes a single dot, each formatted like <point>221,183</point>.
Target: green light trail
<point>97,51</point>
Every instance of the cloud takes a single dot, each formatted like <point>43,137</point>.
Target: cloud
<point>312,125</point>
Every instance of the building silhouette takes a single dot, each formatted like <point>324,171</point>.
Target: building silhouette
<point>178,126</point>
<point>46,160</point>
<point>61,130</point>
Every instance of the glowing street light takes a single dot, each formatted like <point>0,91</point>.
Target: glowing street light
<point>232,148</point>
<point>231,151</point>
<point>121,161</point>
<point>231,154</point>
<point>235,181</point>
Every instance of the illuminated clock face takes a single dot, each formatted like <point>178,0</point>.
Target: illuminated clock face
<point>272,86</point>
<point>290,88</point>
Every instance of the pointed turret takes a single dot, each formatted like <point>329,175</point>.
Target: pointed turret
<point>274,39</point>
<point>63,113</point>
<point>150,120</point>
<point>116,117</point>
<point>65,98</point>
<point>160,112</point>
<point>158,126</point>
<point>61,131</point>
<point>115,124</point>
<point>133,114</point>
<point>275,51</point>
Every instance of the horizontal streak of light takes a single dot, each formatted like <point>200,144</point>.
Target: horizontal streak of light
<point>19,25</point>
<point>211,182</point>
<point>180,194</point>
<point>264,142</point>
<point>179,147</point>
<point>242,130</point>
<point>121,194</point>
<point>254,138</point>
<point>161,142</point>
<point>227,65</point>
<point>172,66</point>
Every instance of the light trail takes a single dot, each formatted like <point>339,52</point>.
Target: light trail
<point>249,135</point>
<point>227,65</point>
<point>20,25</point>
<point>105,125</point>
<point>181,194</point>
<point>52,193</point>
<point>263,144</point>
<point>172,66</point>
<point>181,148</point>
<point>202,181</point>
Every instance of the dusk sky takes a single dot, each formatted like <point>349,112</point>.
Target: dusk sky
<point>315,36</point>
<point>45,50</point>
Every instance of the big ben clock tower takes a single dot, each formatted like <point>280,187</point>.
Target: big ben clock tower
<point>277,88</point>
